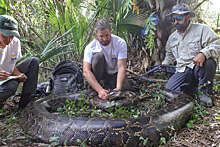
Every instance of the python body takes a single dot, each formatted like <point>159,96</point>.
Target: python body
<point>38,121</point>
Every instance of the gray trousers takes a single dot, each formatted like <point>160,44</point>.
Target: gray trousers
<point>189,81</point>
<point>99,71</point>
<point>30,67</point>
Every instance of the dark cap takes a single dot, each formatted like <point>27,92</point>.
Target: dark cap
<point>181,9</point>
<point>8,26</point>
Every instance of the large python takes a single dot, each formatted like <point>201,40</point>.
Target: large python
<point>38,121</point>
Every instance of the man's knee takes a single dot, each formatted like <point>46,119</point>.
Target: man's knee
<point>34,61</point>
<point>29,64</point>
<point>98,58</point>
<point>210,64</point>
<point>206,72</point>
<point>98,65</point>
<point>8,89</point>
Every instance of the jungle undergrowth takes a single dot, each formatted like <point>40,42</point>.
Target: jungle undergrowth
<point>153,100</point>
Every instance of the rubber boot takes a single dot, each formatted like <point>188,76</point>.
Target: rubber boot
<point>170,95</point>
<point>204,98</point>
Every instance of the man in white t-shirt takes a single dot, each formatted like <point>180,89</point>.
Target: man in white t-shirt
<point>105,59</point>
<point>10,52</point>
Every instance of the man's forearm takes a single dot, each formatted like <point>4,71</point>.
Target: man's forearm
<point>120,78</point>
<point>92,81</point>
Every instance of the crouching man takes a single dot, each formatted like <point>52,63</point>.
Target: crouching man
<point>105,59</point>
<point>193,47</point>
<point>10,52</point>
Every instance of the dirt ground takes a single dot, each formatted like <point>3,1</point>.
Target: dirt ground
<point>204,132</point>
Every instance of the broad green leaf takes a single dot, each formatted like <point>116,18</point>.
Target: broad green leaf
<point>218,117</point>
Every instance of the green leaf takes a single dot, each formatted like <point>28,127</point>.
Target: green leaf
<point>24,58</point>
<point>53,139</point>
<point>59,109</point>
<point>78,140</point>
<point>163,140</point>
<point>218,117</point>
<point>207,123</point>
<point>141,138</point>
<point>145,141</point>
<point>190,124</point>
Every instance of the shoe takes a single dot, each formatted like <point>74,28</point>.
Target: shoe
<point>170,95</point>
<point>204,92</point>
<point>16,98</point>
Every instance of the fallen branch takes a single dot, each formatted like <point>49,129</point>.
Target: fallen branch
<point>47,68</point>
<point>217,30</point>
<point>144,78</point>
<point>199,5</point>
<point>217,76</point>
<point>132,72</point>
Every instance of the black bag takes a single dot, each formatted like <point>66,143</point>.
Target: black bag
<point>66,78</point>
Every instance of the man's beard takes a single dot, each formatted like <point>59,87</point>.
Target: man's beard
<point>181,27</point>
<point>105,43</point>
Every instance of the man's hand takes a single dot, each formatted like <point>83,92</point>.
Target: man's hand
<point>103,94</point>
<point>4,75</point>
<point>22,77</point>
<point>199,59</point>
<point>117,89</point>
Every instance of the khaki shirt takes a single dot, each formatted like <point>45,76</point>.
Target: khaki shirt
<point>183,47</point>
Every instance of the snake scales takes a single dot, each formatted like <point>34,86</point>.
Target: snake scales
<point>38,121</point>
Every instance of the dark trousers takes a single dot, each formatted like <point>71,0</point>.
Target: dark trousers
<point>99,71</point>
<point>190,80</point>
<point>30,68</point>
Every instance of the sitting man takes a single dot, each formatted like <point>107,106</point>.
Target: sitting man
<point>105,59</point>
<point>10,52</point>
<point>193,47</point>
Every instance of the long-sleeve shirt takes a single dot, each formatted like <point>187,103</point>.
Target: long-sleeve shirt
<point>183,47</point>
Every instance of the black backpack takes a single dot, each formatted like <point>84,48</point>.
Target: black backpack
<point>66,78</point>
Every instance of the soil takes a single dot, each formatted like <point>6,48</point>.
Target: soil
<point>204,131</point>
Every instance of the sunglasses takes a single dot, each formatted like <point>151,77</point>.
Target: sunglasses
<point>178,18</point>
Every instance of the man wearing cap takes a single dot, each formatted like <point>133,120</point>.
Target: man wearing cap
<point>10,52</point>
<point>193,47</point>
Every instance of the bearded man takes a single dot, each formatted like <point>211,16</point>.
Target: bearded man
<point>193,47</point>
<point>105,59</point>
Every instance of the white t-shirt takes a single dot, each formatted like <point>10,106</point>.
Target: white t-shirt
<point>9,55</point>
<point>117,49</point>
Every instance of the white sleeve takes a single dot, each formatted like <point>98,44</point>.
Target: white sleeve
<point>16,48</point>
<point>122,50</point>
<point>87,55</point>
<point>19,55</point>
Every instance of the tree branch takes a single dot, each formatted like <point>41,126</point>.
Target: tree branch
<point>199,5</point>
<point>27,22</point>
<point>217,30</point>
